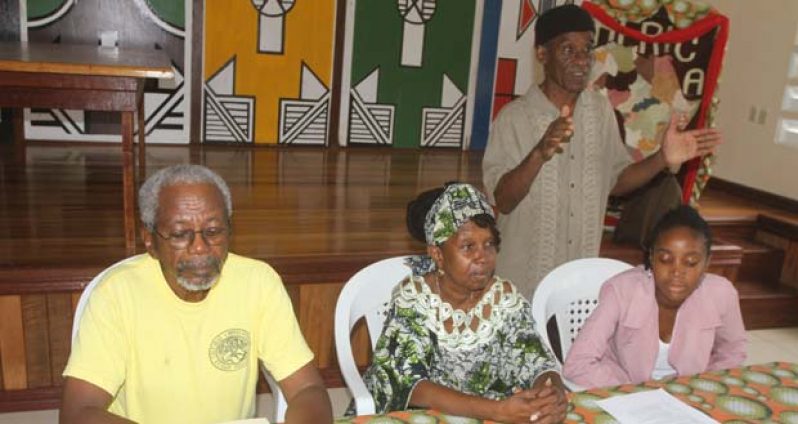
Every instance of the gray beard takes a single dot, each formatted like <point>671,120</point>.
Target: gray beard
<point>184,283</point>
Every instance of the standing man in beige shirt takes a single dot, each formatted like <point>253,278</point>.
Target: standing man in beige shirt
<point>555,154</point>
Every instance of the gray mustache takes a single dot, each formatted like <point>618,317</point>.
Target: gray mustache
<point>205,262</point>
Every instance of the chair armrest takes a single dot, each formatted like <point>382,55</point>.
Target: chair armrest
<point>364,403</point>
<point>280,402</point>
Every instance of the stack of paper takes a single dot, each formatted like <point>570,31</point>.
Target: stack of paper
<point>652,407</point>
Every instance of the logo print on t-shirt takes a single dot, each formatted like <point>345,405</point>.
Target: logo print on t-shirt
<point>229,349</point>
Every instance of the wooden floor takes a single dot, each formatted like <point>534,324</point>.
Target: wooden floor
<point>63,206</point>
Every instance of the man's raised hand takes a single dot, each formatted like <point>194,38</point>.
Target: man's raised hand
<point>560,131</point>
<point>680,146</point>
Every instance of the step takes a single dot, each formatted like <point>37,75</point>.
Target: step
<point>760,262</point>
<point>732,227</point>
<point>767,305</point>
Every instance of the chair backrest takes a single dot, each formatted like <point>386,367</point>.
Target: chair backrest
<point>570,293</point>
<point>84,297</point>
<point>280,403</point>
<point>366,295</point>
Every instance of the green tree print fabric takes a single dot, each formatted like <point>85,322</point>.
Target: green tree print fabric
<point>503,353</point>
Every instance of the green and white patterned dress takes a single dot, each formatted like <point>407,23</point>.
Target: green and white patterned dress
<point>503,353</point>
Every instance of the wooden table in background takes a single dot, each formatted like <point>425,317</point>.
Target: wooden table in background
<point>83,77</point>
<point>754,394</point>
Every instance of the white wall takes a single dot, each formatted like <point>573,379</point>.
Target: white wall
<point>762,38</point>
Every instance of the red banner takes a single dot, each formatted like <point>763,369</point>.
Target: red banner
<point>653,59</point>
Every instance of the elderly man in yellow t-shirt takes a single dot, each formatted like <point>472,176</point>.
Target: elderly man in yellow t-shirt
<point>175,335</point>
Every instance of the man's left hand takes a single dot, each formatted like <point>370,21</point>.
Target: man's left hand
<point>680,146</point>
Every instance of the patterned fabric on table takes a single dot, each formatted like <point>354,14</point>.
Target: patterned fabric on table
<point>766,393</point>
<point>503,353</point>
<point>411,417</point>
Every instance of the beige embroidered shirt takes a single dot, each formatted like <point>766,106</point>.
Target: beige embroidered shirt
<point>561,217</point>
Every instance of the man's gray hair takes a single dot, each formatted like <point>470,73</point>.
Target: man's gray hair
<point>177,174</point>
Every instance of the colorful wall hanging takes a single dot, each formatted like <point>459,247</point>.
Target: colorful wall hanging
<point>268,71</point>
<point>409,72</point>
<point>654,58</point>
<point>136,23</point>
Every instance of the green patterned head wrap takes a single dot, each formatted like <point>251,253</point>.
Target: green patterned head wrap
<point>454,207</point>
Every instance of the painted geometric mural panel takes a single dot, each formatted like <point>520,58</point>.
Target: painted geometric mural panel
<point>56,122</point>
<point>165,108</point>
<point>43,12</point>
<point>283,52</point>
<point>526,14</point>
<point>415,14</point>
<point>305,120</point>
<point>370,123</point>
<point>396,67</point>
<point>504,93</point>
<point>228,117</point>
<point>170,15</point>
<point>134,24</point>
<point>271,24</point>
<point>443,127</point>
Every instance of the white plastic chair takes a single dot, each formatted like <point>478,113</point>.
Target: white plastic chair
<point>366,295</point>
<point>280,403</point>
<point>84,297</point>
<point>570,294</point>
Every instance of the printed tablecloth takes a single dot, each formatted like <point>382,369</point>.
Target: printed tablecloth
<point>765,393</point>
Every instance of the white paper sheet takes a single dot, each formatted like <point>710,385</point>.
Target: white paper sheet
<point>652,407</point>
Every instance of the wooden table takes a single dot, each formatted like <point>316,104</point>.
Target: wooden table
<point>756,393</point>
<point>83,77</point>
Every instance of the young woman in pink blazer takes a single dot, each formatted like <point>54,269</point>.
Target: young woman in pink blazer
<point>667,317</point>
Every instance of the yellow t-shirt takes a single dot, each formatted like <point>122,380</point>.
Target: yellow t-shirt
<point>170,361</point>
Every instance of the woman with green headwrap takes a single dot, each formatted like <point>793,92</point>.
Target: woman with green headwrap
<point>459,339</point>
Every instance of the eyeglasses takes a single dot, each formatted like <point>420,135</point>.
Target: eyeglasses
<point>214,236</point>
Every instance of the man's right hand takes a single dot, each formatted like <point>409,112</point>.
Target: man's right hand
<point>559,131</point>
<point>514,185</point>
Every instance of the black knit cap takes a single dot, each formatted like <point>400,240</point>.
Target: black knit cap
<point>562,19</point>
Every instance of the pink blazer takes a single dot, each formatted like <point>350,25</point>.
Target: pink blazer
<point>620,341</point>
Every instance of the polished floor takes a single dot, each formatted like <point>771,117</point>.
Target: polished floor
<point>62,205</point>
